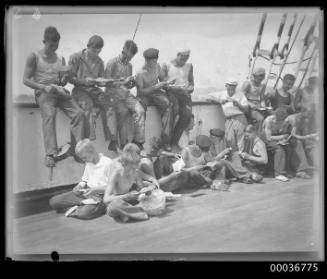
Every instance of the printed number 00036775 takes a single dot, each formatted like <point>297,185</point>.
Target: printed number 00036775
<point>294,267</point>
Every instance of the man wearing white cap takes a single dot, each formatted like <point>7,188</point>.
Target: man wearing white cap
<point>254,92</point>
<point>181,74</point>
<point>234,105</point>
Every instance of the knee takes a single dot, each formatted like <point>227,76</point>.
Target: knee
<point>112,207</point>
<point>54,202</point>
<point>87,212</point>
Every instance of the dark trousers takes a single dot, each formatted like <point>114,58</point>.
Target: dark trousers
<point>64,201</point>
<point>281,157</point>
<point>91,100</point>
<point>182,111</point>
<point>162,102</point>
<point>48,104</point>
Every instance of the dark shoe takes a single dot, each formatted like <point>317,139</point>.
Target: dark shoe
<point>78,159</point>
<point>140,145</point>
<point>113,146</point>
<point>246,180</point>
<point>257,178</point>
<point>63,152</point>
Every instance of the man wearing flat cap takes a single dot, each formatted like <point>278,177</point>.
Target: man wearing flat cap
<point>151,90</point>
<point>126,104</point>
<point>253,90</point>
<point>234,105</point>
<point>180,74</point>
<point>86,67</point>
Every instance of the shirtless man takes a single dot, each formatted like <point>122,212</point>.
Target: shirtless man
<point>254,92</point>
<point>180,92</point>
<point>125,182</point>
<point>42,73</point>
<point>151,89</point>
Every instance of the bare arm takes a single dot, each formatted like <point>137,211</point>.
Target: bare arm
<point>268,133</point>
<point>29,72</point>
<point>146,91</point>
<point>190,87</point>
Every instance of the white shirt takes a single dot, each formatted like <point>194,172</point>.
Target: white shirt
<point>229,108</point>
<point>97,175</point>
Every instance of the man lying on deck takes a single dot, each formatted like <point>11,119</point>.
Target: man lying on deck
<point>125,182</point>
<point>201,168</point>
<point>86,197</point>
<point>220,149</point>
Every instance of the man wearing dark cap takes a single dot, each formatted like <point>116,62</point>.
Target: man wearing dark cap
<point>86,67</point>
<point>46,74</point>
<point>181,73</point>
<point>151,89</point>
<point>126,104</point>
<point>253,90</point>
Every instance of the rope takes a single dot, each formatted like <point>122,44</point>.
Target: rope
<point>293,62</point>
<point>137,26</point>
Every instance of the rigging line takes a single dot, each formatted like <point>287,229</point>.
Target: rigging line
<point>293,62</point>
<point>137,26</point>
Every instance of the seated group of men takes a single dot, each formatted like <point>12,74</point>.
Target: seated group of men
<point>168,88</point>
<point>284,121</point>
<point>238,152</point>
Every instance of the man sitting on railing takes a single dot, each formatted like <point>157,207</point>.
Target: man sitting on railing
<point>86,67</point>
<point>125,103</point>
<point>151,90</point>
<point>42,73</point>
<point>181,74</point>
<point>85,201</point>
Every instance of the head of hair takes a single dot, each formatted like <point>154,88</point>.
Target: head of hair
<point>250,128</point>
<point>95,41</point>
<point>281,113</point>
<point>131,46</point>
<point>51,34</point>
<point>130,154</point>
<point>83,146</point>
<point>289,77</point>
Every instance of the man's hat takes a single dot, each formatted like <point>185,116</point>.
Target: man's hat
<point>203,141</point>
<point>231,81</point>
<point>151,53</point>
<point>217,132</point>
<point>259,71</point>
<point>184,51</point>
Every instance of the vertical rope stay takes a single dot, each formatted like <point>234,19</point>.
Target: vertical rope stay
<point>137,26</point>
<point>289,51</point>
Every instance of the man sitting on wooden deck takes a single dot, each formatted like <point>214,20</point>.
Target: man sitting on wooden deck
<point>85,199</point>
<point>201,168</point>
<point>125,182</point>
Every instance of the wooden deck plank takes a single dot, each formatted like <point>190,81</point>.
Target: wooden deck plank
<point>259,217</point>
